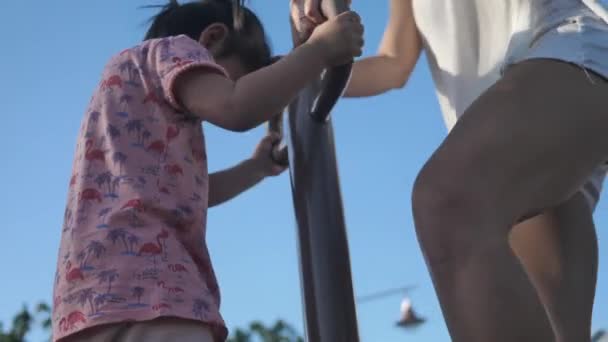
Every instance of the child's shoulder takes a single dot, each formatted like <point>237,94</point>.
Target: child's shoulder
<point>161,46</point>
<point>134,55</point>
<point>154,58</point>
<point>140,50</point>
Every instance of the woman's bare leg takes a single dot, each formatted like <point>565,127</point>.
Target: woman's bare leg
<point>527,144</point>
<point>558,250</point>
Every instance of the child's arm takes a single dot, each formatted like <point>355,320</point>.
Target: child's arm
<point>396,58</point>
<point>227,184</point>
<point>254,98</point>
<point>397,55</point>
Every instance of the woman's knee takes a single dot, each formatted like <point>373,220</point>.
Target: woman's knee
<point>449,210</point>
<point>440,196</point>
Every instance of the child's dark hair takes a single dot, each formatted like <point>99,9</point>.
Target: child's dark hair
<point>247,38</point>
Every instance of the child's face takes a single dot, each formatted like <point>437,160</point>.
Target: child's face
<point>233,65</point>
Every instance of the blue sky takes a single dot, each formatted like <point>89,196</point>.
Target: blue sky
<point>53,56</point>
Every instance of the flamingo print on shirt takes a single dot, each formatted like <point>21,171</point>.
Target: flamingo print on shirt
<point>154,249</point>
<point>133,239</point>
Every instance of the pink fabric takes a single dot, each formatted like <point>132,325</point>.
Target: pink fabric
<point>133,241</point>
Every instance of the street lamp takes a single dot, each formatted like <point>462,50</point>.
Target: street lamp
<point>408,319</point>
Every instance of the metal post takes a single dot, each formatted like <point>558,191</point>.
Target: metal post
<point>330,314</point>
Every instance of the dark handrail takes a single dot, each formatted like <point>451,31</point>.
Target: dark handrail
<point>333,83</point>
<point>329,304</point>
<point>334,80</point>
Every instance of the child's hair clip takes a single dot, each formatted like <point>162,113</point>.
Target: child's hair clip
<point>237,14</point>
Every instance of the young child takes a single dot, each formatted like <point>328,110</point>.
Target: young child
<point>133,262</point>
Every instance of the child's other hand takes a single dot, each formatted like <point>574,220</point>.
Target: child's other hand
<point>262,156</point>
<point>340,39</point>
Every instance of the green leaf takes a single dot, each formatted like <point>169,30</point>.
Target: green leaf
<point>43,307</point>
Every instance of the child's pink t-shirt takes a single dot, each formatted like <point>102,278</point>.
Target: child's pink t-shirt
<point>133,241</point>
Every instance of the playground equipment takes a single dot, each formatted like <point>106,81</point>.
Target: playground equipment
<point>329,304</point>
<point>325,272</point>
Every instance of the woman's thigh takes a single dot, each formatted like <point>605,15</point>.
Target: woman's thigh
<point>529,142</point>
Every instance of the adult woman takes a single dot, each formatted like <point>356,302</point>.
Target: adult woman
<point>522,86</point>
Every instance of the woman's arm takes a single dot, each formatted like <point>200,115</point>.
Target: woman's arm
<point>397,55</point>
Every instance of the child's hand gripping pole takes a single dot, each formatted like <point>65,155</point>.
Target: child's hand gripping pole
<point>333,82</point>
<point>279,152</point>
<point>275,125</point>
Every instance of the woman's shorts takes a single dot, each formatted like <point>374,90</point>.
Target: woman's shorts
<point>581,40</point>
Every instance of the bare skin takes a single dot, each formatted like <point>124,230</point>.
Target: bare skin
<point>513,153</point>
<point>242,104</point>
<point>227,184</point>
<point>557,249</point>
<point>397,54</point>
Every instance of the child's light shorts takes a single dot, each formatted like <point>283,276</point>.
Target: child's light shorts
<point>581,39</point>
<point>158,330</point>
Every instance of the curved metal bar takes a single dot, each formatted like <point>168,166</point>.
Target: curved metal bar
<point>334,81</point>
<point>330,312</point>
<point>329,304</point>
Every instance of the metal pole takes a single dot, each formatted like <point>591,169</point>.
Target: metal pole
<point>330,314</point>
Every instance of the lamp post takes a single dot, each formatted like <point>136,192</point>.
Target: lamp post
<point>408,317</point>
